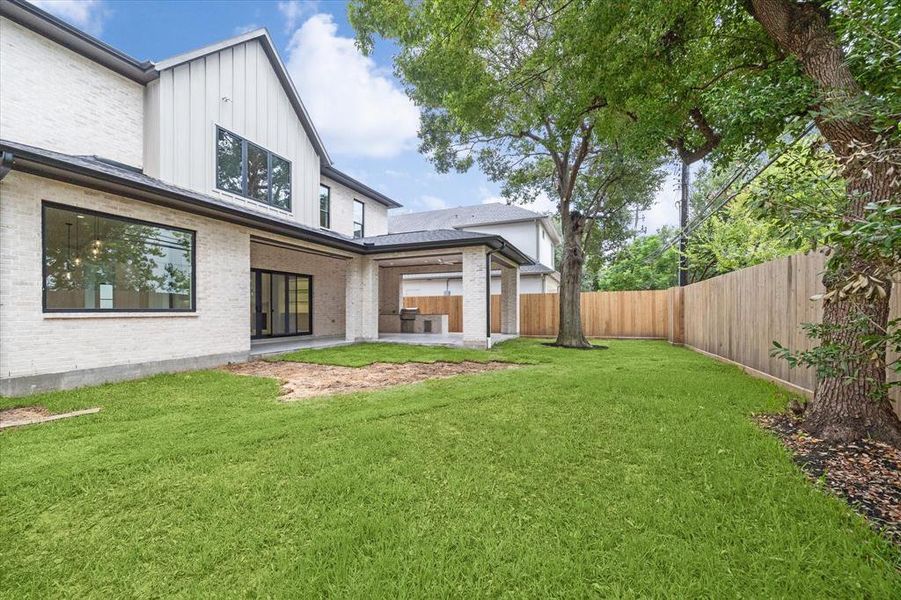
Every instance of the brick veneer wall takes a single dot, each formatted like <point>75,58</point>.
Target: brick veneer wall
<point>329,282</point>
<point>54,98</point>
<point>33,343</point>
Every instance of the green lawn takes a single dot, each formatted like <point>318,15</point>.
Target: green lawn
<point>633,471</point>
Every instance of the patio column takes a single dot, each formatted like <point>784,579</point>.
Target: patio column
<point>510,300</point>
<point>475,298</point>
<point>361,300</point>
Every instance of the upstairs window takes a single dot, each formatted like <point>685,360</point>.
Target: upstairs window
<point>359,219</point>
<point>325,206</point>
<point>248,170</point>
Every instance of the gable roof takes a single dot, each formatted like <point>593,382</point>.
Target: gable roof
<point>459,217</point>
<point>262,36</point>
<point>74,39</point>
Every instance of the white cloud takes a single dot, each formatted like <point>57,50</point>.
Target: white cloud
<point>88,15</point>
<point>358,110</point>
<point>293,10</point>
<point>542,203</point>
<point>432,202</point>
<point>245,28</point>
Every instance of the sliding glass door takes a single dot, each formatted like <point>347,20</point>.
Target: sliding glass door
<point>280,304</point>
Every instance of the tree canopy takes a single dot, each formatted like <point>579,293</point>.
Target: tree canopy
<point>642,265</point>
<point>493,83</point>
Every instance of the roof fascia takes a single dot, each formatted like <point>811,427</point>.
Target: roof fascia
<point>64,34</point>
<point>358,186</point>
<point>38,164</point>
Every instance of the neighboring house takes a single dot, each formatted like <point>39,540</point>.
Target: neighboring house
<point>531,232</point>
<point>178,214</point>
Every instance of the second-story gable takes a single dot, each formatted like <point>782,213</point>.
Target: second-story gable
<point>224,120</point>
<point>220,121</point>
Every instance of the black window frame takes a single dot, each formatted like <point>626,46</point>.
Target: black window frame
<point>257,274</point>
<point>328,211</point>
<point>362,220</point>
<point>45,204</point>
<point>244,191</point>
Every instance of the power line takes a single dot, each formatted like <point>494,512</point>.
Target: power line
<point>701,218</point>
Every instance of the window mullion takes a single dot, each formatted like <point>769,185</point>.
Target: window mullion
<point>269,178</point>
<point>244,190</point>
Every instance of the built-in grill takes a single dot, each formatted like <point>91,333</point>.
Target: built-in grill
<point>408,319</point>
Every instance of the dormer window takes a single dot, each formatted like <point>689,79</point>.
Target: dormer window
<point>248,170</point>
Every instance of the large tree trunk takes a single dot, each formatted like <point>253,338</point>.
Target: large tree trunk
<point>840,410</point>
<point>569,333</point>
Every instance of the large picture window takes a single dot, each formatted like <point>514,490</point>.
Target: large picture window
<point>325,206</point>
<point>99,262</point>
<point>359,219</point>
<point>246,169</point>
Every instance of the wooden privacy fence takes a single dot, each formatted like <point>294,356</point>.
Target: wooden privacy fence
<point>735,316</point>
<point>640,314</point>
<point>738,316</point>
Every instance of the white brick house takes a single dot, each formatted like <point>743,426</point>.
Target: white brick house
<point>172,215</point>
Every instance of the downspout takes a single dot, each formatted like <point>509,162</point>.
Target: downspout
<point>6,163</point>
<point>488,288</point>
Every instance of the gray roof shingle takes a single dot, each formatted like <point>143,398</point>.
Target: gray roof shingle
<point>416,237</point>
<point>460,216</point>
<point>94,169</point>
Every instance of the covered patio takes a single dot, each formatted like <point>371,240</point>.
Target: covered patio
<point>384,272</point>
<point>342,298</point>
<point>263,348</point>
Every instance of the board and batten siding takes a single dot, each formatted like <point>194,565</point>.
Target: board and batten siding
<point>235,88</point>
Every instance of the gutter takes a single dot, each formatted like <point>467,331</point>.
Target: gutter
<point>6,163</point>
<point>35,163</point>
<point>57,30</point>
<point>495,242</point>
<point>346,180</point>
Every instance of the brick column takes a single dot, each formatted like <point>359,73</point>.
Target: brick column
<point>475,298</point>
<point>390,290</point>
<point>510,300</point>
<point>362,300</point>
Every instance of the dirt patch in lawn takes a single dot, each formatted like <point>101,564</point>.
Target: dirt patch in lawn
<point>23,415</point>
<point>304,380</point>
<point>866,474</point>
<point>30,415</point>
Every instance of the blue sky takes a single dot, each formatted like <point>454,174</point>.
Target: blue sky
<point>368,125</point>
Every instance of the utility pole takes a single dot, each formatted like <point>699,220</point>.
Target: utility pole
<point>683,224</point>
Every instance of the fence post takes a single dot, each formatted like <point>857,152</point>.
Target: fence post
<point>676,316</point>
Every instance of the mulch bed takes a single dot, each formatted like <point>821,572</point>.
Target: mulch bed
<point>592,347</point>
<point>866,474</point>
